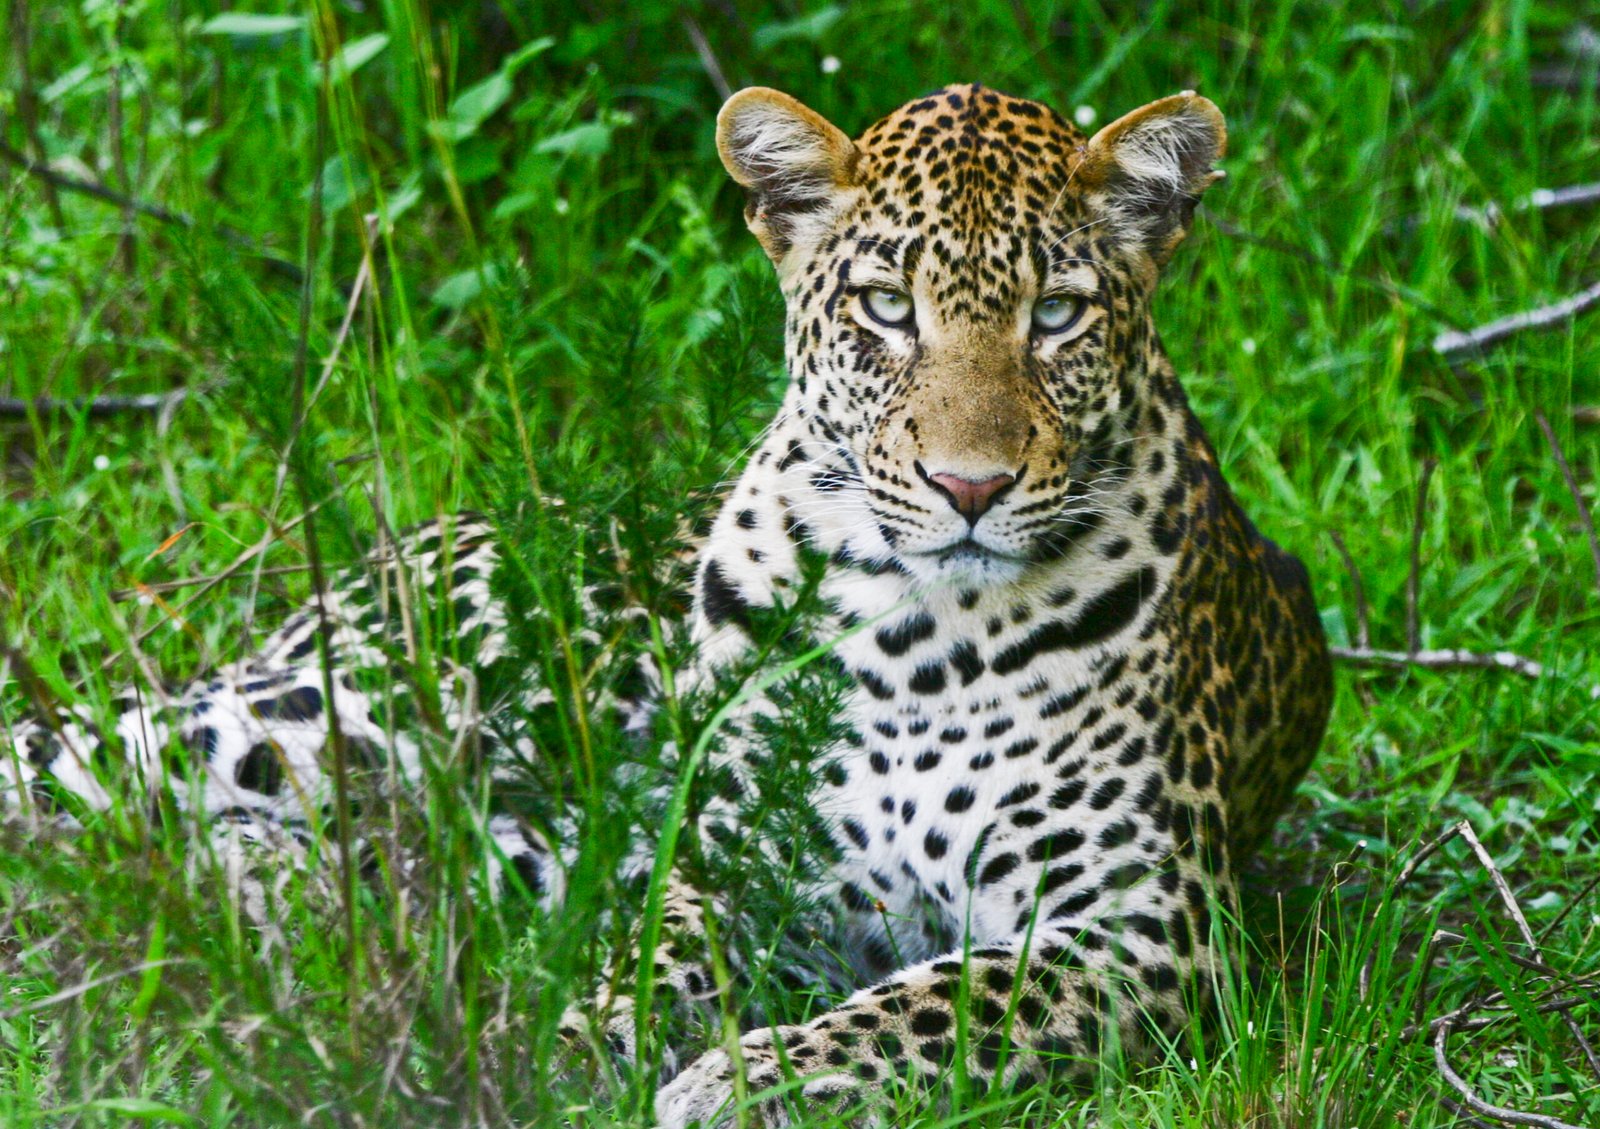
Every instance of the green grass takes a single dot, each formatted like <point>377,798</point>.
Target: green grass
<point>563,300</point>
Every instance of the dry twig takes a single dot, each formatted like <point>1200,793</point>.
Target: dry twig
<point>708,57</point>
<point>1539,200</point>
<point>1449,659</point>
<point>1561,992</point>
<point>1413,624</point>
<point>1477,1104</point>
<point>95,407</point>
<point>129,205</point>
<point>122,595</point>
<point>1283,247</point>
<point>1363,628</point>
<point>1460,342</point>
<point>1572,488</point>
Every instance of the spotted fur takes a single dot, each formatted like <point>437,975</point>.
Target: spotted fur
<point>1079,686</point>
<point>1085,685</point>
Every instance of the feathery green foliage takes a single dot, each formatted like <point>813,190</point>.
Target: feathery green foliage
<point>410,258</point>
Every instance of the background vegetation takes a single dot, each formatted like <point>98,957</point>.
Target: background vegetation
<point>408,257</point>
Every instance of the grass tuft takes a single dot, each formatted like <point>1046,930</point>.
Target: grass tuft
<point>558,300</point>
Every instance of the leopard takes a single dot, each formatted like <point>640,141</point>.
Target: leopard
<point>1079,687</point>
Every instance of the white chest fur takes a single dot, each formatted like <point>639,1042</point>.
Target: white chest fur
<point>966,718</point>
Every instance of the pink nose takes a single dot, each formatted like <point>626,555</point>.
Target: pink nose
<point>971,499</point>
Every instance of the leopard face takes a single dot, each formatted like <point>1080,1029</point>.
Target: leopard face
<point>969,288</point>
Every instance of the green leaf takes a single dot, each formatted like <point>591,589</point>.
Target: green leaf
<point>473,106</point>
<point>140,1109</point>
<point>477,103</point>
<point>809,28</point>
<point>404,198</point>
<point>458,290</point>
<point>353,56</point>
<point>532,49</point>
<point>517,203</point>
<point>248,25</point>
<point>68,82</point>
<point>591,139</point>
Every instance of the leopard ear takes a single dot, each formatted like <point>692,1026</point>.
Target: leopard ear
<point>794,163</point>
<point>1149,168</point>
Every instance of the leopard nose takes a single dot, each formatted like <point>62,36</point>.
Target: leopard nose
<point>971,499</point>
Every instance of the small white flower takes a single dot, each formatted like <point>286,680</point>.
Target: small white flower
<point>1193,1065</point>
<point>1084,116</point>
<point>102,463</point>
<point>1250,1028</point>
<point>831,64</point>
<point>1249,346</point>
<point>562,206</point>
<point>1361,844</point>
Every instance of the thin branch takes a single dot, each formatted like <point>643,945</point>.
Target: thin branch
<point>1363,630</point>
<point>27,101</point>
<point>91,188</point>
<point>119,153</point>
<point>1572,488</point>
<point>98,191</point>
<point>1540,199</point>
<point>1573,77</point>
<point>1305,255</point>
<point>122,595</point>
<point>90,985</point>
<point>273,535</point>
<point>1586,413</point>
<point>1463,1115</point>
<point>301,410</point>
<point>1453,342</point>
<point>1515,910</point>
<point>1448,659</point>
<point>1577,989</point>
<point>1413,626</point>
<point>1477,1104</point>
<point>1459,1022</point>
<point>708,57</point>
<point>96,407</point>
<point>1576,901</point>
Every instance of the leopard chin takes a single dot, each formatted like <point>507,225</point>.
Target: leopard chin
<point>968,563</point>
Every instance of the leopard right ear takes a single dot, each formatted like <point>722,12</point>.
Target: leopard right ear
<point>1149,168</point>
<point>794,163</point>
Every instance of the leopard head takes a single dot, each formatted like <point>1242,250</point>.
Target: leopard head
<point>968,289</point>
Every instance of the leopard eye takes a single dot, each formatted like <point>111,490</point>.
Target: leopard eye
<point>1057,313</point>
<point>888,307</point>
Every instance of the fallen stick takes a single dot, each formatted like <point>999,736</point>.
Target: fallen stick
<point>1572,488</point>
<point>97,191</point>
<point>1452,342</point>
<point>1562,992</point>
<point>1414,572</point>
<point>1450,659</point>
<point>96,407</point>
<point>1446,659</point>
<point>1539,200</point>
<point>1477,1104</point>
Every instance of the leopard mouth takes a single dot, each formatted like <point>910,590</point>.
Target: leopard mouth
<point>969,550</point>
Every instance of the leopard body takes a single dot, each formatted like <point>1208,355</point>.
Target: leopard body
<point>1082,686</point>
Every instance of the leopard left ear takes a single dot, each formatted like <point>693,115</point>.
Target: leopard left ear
<point>1150,167</point>
<point>796,165</point>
